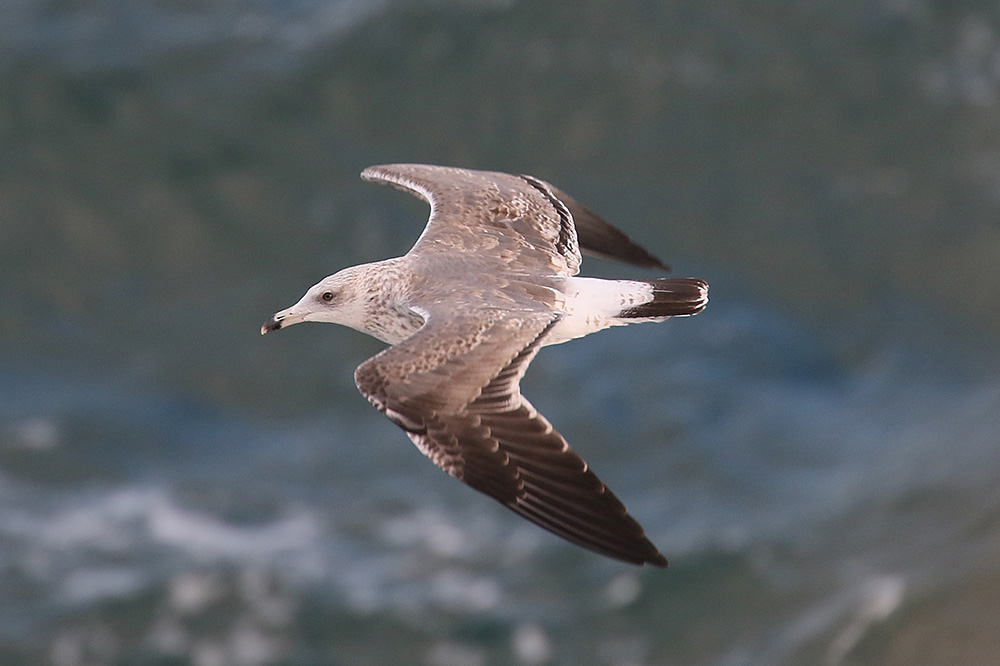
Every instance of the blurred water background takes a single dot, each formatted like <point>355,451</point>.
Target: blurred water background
<point>818,453</point>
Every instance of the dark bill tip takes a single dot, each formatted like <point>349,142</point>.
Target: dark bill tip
<point>271,324</point>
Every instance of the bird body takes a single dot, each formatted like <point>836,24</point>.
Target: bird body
<point>490,281</point>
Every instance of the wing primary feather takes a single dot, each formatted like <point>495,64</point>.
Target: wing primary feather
<point>611,548</point>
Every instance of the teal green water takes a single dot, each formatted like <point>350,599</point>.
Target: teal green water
<point>817,453</point>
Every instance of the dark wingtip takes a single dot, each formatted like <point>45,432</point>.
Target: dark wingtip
<point>600,238</point>
<point>658,561</point>
<point>641,257</point>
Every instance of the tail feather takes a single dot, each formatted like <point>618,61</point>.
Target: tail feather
<point>672,297</point>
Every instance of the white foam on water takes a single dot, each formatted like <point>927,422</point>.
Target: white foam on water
<point>531,644</point>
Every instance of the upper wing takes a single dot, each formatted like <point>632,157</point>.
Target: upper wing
<point>458,400</point>
<point>510,219</point>
<point>487,209</point>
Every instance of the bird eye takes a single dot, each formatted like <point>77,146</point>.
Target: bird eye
<point>327,296</point>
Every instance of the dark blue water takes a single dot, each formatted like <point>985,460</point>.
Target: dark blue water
<point>818,453</point>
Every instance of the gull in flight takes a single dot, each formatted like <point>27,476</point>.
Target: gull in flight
<point>489,282</point>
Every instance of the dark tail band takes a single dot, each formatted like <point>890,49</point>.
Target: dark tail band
<point>672,297</point>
